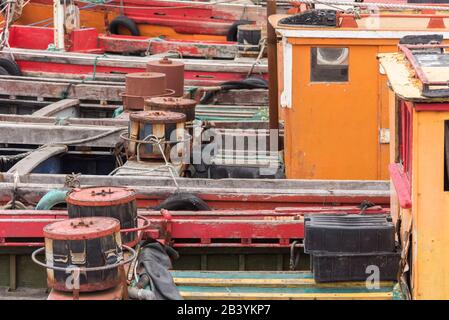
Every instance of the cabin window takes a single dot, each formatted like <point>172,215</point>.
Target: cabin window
<point>329,64</point>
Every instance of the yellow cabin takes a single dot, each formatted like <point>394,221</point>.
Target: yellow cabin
<point>333,100</point>
<point>419,148</point>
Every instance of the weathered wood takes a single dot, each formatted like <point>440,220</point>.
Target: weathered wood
<point>161,46</point>
<point>256,97</point>
<point>58,109</point>
<point>122,122</point>
<point>40,134</point>
<point>252,186</point>
<point>133,62</point>
<point>43,89</point>
<point>35,158</point>
<point>73,88</point>
<point>12,272</point>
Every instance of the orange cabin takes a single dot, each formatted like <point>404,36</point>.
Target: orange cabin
<point>333,100</point>
<point>419,111</point>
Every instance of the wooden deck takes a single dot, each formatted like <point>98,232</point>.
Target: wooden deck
<point>256,285</point>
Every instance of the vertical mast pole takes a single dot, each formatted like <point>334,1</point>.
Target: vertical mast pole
<point>58,16</point>
<point>272,68</point>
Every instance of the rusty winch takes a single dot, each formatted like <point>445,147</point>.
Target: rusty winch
<point>83,254</point>
<point>181,105</point>
<point>113,202</point>
<point>174,73</point>
<point>153,134</point>
<point>143,85</point>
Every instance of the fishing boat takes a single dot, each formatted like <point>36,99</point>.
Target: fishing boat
<point>234,227</point>
<point>188,20</point>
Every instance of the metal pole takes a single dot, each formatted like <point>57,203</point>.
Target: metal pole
<point>272,68</point>
<point>58,15</point>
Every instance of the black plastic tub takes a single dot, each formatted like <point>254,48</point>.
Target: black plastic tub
<point>333,267</point>
<point>351,233</point>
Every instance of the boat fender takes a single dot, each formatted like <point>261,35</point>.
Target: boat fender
<point>10,67</point>
<point>232,32</point>
<point>183,201</point>
<point>52,198</point>
<point>124,22</point>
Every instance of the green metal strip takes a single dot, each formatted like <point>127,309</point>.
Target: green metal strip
<point>284,290</point>
<point>242,275</point>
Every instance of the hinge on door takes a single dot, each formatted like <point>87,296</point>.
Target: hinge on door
<point>384,135</point>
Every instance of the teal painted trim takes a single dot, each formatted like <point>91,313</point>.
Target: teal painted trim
<point>210,118</point>
<point>285,290</point>
<point>242,275</point>
<point>52,198</point>
<point>397,293</point>
<point>117,112</point>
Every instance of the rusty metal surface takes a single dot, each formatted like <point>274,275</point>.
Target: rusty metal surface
<point>145,83</point>
<point>101,196</point>
<point>157,117</point>
<point>174,73</point>
<point>209,228</point>
<point>81,228</point>
<point>141,85</point>
<point>87,287</point>
<point>181,105</point>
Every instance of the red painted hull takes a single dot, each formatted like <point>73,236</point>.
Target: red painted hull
<point>88,41</point>
<point>246,228</point>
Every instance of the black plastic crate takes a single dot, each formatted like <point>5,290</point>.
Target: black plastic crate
<point>352,233</point>
<point>333,267</point>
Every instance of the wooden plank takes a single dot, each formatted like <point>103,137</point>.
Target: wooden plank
<point>257,186</point>
<point>71,121</point>
<point>134,62</point>
<point>58,108</point>
<point>400,76</point>
<point>12,272</point>
<point>122,122</point>
<point>44,89</point>
<point>269,282</point>
<point>58,86</point>
<point>35,158</point>
<point>40,134</point>
<point>195,295</point>
<point>437,73</point>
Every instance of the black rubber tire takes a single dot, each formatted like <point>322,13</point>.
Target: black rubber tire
<point>232,32</point>
<point>124,22</point>
<point>10,67</point>
<point>183,201</point>
<point>3,71</point>
<point>248,83</point>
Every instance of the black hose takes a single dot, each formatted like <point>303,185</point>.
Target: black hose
<point>248,83</point>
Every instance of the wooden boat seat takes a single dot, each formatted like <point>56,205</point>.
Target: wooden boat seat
<point>275,285</point>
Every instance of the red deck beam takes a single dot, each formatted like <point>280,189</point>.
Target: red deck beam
<point>207,228</point>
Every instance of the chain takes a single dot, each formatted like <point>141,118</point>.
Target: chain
<point>72,180</point>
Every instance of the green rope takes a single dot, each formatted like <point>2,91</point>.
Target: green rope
<point>65,92</point>
<point>117,112</point>
<point>51,47</point>
<point>94,73</point>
